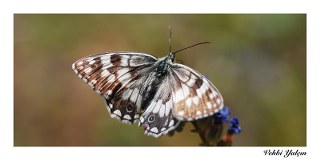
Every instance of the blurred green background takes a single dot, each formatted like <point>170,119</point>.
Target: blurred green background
<point>258,62</point>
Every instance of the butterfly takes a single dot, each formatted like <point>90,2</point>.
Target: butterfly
<point>158,93</point>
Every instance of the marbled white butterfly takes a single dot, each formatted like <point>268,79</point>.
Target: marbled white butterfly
<point>156,92</point>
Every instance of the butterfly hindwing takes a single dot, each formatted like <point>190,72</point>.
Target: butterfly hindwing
<point>128,99</point>
<point>158,118</point>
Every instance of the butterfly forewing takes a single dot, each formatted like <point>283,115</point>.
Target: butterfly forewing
<point>194,96</point>
<point>115,77</point>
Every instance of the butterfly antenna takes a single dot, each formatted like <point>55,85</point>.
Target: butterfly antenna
<point>189,47</point>
<point>169,39</point>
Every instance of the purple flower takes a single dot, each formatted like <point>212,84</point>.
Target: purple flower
<point>234,126</point>
<point>221,116</point>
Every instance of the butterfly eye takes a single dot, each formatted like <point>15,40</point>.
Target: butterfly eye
<point>151,118</point>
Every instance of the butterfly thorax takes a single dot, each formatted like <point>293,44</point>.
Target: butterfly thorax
<point>164,63</point>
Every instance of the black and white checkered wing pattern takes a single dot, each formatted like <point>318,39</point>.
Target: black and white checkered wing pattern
<point>194,96</point>
<point>118,78</point>
<point>157,92</point>
<point>158,118</point>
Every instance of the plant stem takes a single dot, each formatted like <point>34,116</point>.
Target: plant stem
<point>201,133</point>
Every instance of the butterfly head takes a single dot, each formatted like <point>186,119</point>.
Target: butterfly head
<point>171,57</point>
<point>168,60</point>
